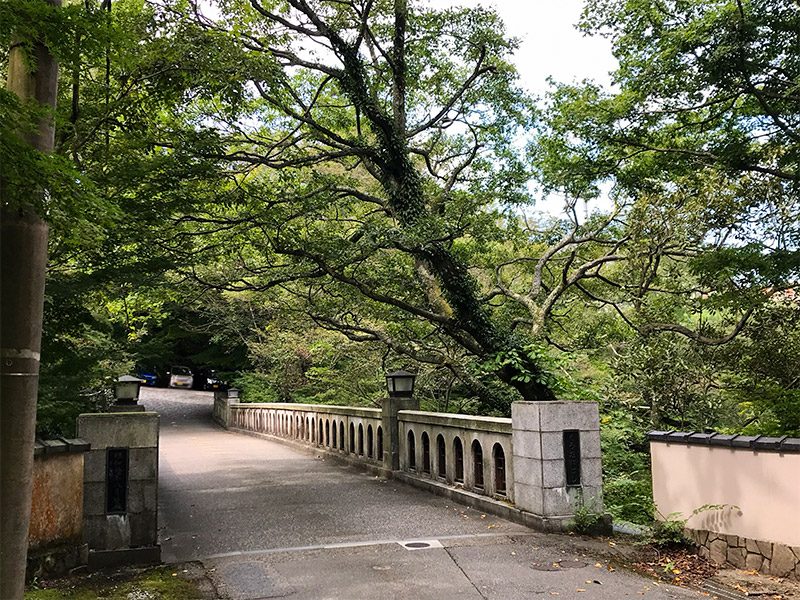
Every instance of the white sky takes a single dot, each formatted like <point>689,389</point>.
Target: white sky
<point>551,47</point>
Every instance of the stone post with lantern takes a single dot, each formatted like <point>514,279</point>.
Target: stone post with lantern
<point>400,387</point>
<point>120,480</point>
<point>126,392</point>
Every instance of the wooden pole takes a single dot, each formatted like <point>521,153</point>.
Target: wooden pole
<point>23,262</point>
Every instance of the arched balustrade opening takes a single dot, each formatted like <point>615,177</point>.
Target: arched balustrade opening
<point>499,469</point>
<point>458,459</point>
<point>412,452</point>
<point>477,464</point>
<point>426,452</point>
<point>442,456</point>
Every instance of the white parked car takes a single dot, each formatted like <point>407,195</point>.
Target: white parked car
<point>180,377</point>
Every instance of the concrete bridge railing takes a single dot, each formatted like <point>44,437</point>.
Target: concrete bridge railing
<point>472,453</point>
<point>538,468</point>
<point>348,430</point>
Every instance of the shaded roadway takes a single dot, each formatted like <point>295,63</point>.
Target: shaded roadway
<point>270,521</point>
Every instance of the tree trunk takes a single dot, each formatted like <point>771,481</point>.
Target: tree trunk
<point>23,261</point>
<point>404,187</point>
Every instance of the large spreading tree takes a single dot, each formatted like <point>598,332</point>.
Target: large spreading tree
<point>700,138</point>
<point>372,149</point>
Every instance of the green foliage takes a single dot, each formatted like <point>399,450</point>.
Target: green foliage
<point>763,377</point>
<point>84,348</point>
<point>669,531</point>
<point>586,516</point>
<point>219,204</point>
<point>255,387</point>
<point>627,485</point>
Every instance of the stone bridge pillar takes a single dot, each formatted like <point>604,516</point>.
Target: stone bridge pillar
<point>391,441</point>
<point>121,487</point>
<point>557,461</point>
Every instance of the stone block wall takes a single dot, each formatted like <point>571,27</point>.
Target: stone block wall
<point>540,460</point>
<point>130,533</point>
<point>767,558</point>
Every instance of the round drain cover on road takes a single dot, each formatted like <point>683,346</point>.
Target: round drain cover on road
<point>549,567</point>
<point>421,544</point>
<point>571,564</point>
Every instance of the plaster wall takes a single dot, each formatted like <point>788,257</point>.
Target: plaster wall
<point>57,502</point>
<point>760,490</point>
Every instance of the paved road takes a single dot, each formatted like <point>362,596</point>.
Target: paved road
<point>271,521</point>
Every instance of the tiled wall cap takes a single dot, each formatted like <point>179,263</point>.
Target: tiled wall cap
<point>769,443</point>
<point>76,444</point>
<point>791,445</point>
<point>38,447</point>
<point>722,439</point>
<point>701,438</point>
<point>744,441</point>
<point>54,446</point>
<point>60,445</point>
<point>753,442</point>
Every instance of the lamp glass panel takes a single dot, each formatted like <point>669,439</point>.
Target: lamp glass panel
<point>403,384</point>
<point>127,390</point>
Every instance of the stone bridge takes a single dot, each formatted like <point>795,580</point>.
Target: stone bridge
<point>269,520</point>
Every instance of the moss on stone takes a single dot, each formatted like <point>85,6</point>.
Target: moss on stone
<point>162,583</point>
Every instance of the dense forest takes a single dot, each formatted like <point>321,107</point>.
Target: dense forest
<point>306,194</point>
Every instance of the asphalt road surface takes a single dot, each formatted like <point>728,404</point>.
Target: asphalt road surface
<point>271,521</point>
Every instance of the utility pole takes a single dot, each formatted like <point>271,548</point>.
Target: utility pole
<point>23,263</point>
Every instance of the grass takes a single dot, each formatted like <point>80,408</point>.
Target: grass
<point>161,583</point>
